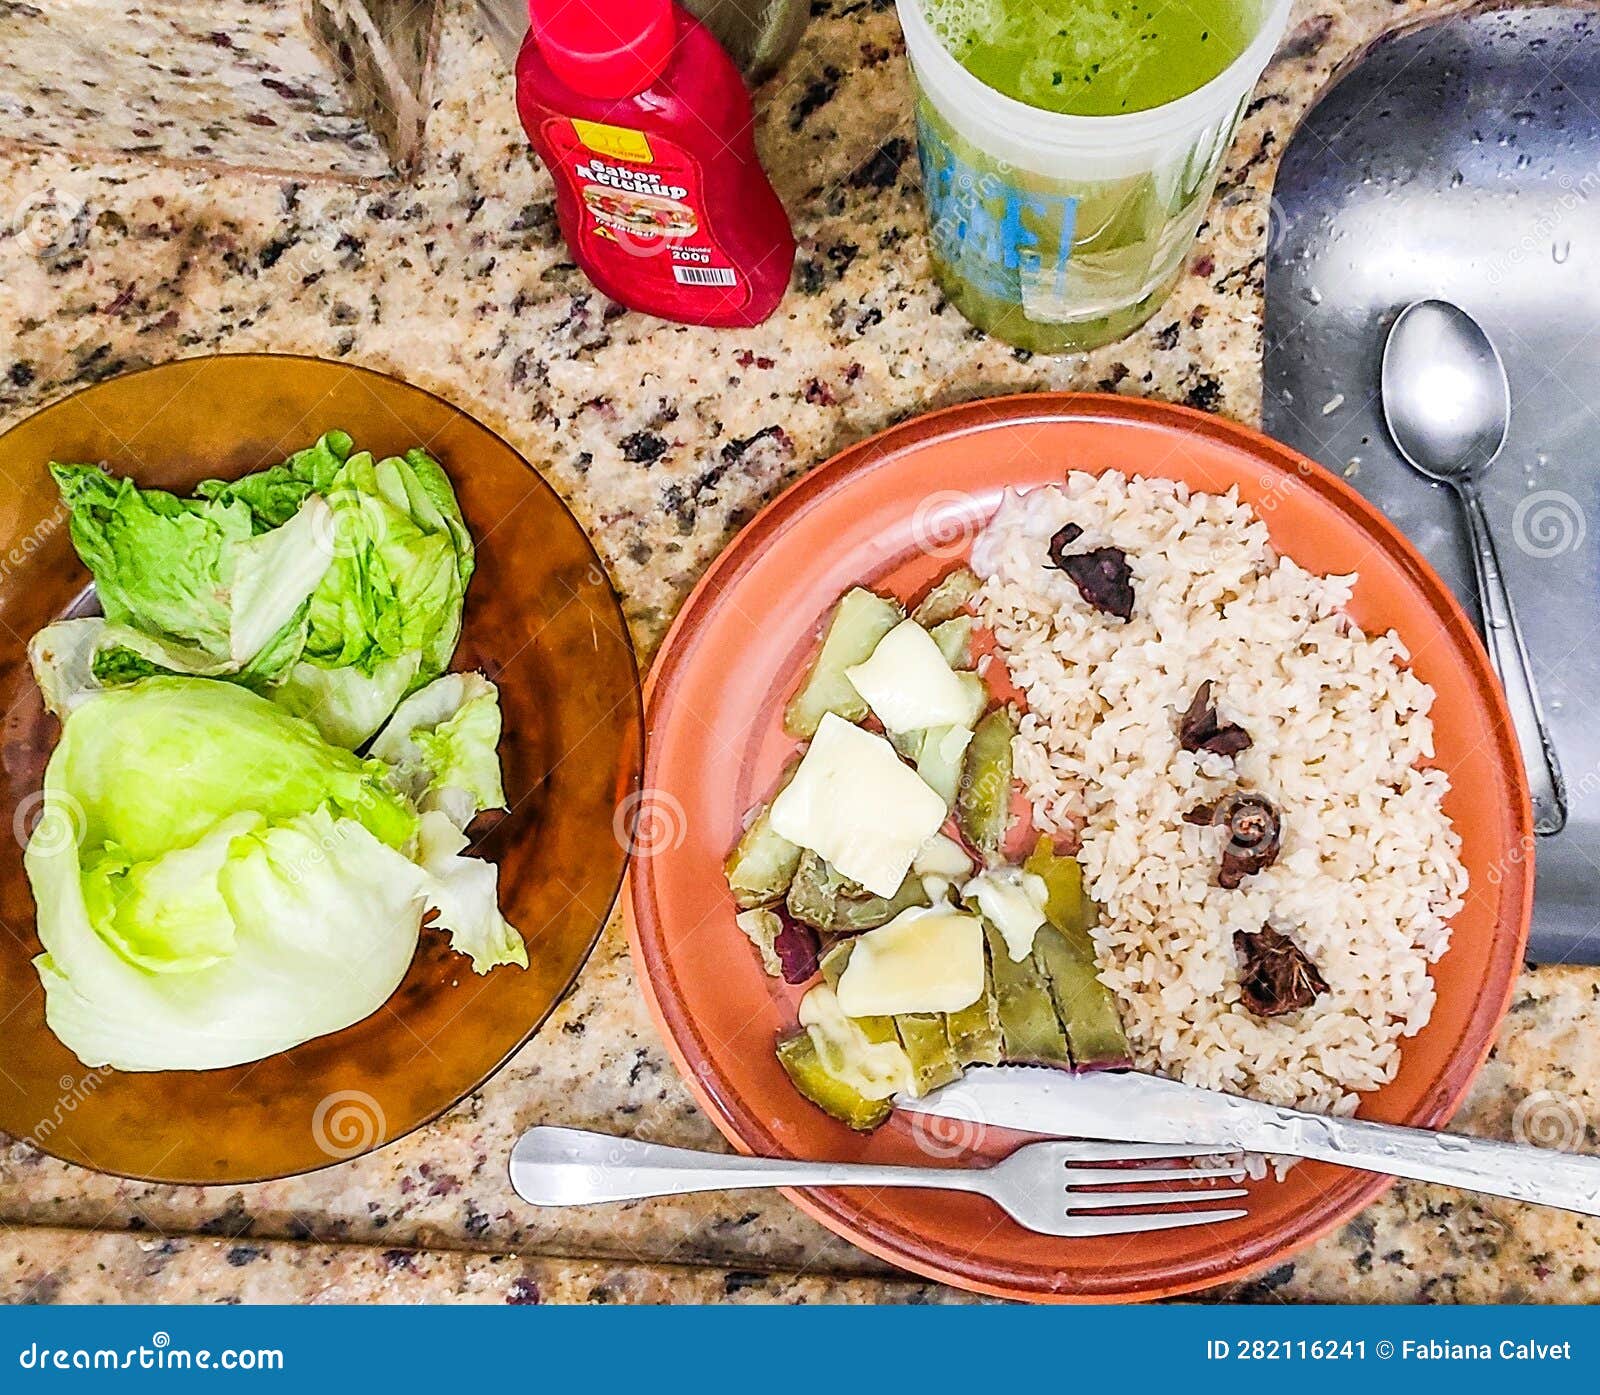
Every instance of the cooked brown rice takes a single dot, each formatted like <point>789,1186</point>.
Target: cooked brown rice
<point>1370,870</point>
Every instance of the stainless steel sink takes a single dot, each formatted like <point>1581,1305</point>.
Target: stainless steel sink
<point>1461,159</point>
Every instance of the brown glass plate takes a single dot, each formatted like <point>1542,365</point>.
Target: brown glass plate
<point>541,620</point>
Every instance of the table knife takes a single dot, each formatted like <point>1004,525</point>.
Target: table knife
<point>1133,1107</point>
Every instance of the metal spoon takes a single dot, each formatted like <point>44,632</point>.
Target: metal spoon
<point>1447,404</point>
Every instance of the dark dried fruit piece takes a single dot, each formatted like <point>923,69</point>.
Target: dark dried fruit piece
<point>1061,542</point>
<point>1254,834</point>
<point>1104,579</point>
<point>1102,575</point>
<point>799,950</point>
<point>1275,976</point>
<point>1199,729</point>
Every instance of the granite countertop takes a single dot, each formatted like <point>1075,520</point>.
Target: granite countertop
<point>664,440</point>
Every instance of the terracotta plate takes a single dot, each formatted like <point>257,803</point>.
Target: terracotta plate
<point>541,620</point>
<point>894,513</point>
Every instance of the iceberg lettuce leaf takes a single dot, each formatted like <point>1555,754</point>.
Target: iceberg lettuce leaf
<point>345,704</point>
<point>275,495</point>
<point>168,914</point>
<point>443,744</point>
<point>72,660</point>
<point>464,891</point>
<point>156,765</point>
<point>160,563</point>
<point>326,922</point>
<point>400,568</point>
<point>271,577</point>
<point>194,573</point>
<point>333,582</point>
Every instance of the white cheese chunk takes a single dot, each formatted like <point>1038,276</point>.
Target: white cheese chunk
<point>855,804</point>
<point>942,856</point>
<point>873,1069</point>
<point>1013,902</point>
<point>921,961</point>
<point>908,685</point>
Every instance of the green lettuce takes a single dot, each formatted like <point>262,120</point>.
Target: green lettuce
<point>464,892</point>
<point>323,925</point>
<point>386,616</point>
<point>216,882</point>
<point>275,495</point>
<point>333,583</point>
<point>158,764</point>
<point>161,564</point>
<point>73,660</point>
<point>442,744</point>
<point>402,560</point>
<point>272,579</point>
<point>346,704</point>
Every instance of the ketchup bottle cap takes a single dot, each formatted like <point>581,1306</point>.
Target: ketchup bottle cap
<point>604,48</point>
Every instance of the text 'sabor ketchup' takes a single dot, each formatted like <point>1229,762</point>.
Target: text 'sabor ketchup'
<point>645,124</point>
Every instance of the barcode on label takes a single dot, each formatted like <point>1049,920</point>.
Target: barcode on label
<point>705,275</point>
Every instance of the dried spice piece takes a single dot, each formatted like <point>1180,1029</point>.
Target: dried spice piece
<point>799,949</point>
<point>1061,542</point>
<point>1254,834</point>
<point>1275,976</point>
<point>1101,575</point>
<point>1200,729</point>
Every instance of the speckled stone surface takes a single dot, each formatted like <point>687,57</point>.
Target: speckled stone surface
<point>322,88</point>
<point>59,1266</point>
<point>664,440</point>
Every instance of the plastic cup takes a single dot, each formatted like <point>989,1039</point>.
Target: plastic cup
<point>1060,233</point>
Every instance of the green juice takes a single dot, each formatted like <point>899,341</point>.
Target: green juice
<point>1092,57</point>
<point>1069,236</point>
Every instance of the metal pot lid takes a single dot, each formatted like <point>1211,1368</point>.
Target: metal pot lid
<point>1460,158</point>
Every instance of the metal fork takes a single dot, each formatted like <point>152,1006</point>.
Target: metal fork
<point>1042,1186</point>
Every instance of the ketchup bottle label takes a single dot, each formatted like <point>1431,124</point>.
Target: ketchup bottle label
<point>640,210</point>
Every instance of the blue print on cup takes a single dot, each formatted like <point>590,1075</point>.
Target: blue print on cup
<point>986,229</point>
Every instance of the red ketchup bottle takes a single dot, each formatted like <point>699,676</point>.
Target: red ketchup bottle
<point>645,124</point>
